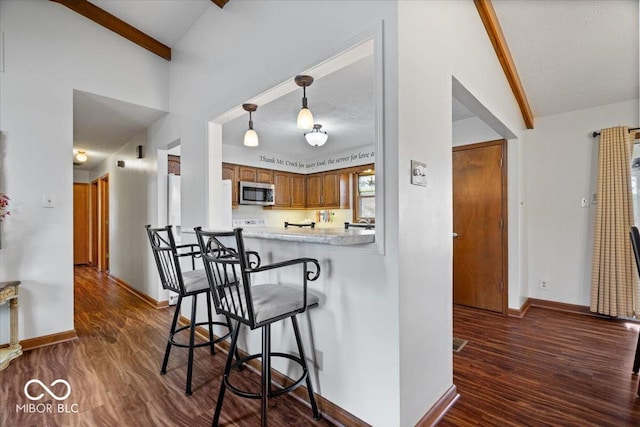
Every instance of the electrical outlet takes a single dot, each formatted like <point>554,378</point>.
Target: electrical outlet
<point>544,285</point>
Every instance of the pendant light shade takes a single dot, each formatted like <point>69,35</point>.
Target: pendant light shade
<point>316,137</point>
<point>81,156</point>
<point>250,136</point>
<point>305,118</point>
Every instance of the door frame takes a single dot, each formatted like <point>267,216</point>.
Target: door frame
<point>505,213</point>
<point>103,223</point>
<point>99,229</point>
<point>93,224</point>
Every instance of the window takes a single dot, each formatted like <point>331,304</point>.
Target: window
<point>365,196</point>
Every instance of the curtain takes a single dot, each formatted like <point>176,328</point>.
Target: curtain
<point>614,283</point>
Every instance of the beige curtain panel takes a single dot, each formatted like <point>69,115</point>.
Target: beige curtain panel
<point>614,282</point>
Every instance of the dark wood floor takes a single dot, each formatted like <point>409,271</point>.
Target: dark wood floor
<point>549,368</point>
<point>113,369</point>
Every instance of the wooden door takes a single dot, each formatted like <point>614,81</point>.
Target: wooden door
<point>80,223</point>
<point>480,222</point>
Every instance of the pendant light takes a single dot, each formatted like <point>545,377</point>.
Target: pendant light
<point>250,136</point>
<point>305,118</point>
<point>81,156</point>
<point>316,137</point>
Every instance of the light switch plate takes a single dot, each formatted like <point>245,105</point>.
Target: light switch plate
<point>49,201</point>
<point>418,173</point>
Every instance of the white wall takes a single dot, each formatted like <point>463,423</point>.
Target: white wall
<point>49,51</point>
<point>432,47</point>
<point>81,176</point>
<point>472,130</point>
<point>132,204</point>
<point>561,166</point>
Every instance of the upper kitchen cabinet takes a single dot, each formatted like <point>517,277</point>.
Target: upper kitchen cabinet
<point>264,175</point>
<point>251,174</point>
<point>290,190</point>
<point>298,191</point>
<point>328,190</point>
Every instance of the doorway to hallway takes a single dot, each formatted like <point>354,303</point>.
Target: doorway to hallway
<point>480,226</point>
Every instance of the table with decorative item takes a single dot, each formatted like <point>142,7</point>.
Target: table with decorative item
<point>9,292</point>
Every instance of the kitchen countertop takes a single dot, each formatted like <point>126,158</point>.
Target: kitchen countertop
<point>326,236</point>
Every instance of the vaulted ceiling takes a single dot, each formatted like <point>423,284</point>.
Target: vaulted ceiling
<point>569,54</point>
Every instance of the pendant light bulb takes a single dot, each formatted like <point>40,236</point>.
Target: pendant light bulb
<point>305,118</point>
<point>250,136</point>
<point>81,156</point>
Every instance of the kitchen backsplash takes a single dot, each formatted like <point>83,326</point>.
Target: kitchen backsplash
<point>324,218</point>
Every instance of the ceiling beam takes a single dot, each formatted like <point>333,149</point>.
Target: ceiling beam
<point>494,31</point>
<point>220,3</point>
<point>118,26</point>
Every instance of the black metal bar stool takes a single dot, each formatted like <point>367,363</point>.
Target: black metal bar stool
<point>186,284</point>
<point>229,272</point>
<point>635,244</point>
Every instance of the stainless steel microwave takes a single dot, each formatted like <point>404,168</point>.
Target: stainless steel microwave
<point>256,193</point>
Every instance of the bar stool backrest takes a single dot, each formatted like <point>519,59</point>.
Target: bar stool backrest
<point>226,271</point>
<point>165,254</point>
<point>635,243</point>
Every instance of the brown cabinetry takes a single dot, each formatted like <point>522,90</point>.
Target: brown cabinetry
<point>298,191</point>
<point>247,174</point>
<point>328,190</point>
<point>282,184</point>
<point>290,190</point>
<point>173,164</point>
<point>264,175</point>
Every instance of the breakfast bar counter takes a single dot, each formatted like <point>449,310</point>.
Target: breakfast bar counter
<point>327,236</point>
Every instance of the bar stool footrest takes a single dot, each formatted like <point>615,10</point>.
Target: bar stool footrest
<point>202,344</point>
<point>274,393</point>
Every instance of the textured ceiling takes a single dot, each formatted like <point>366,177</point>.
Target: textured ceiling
<point>572,54</point>
<point>342,102</point>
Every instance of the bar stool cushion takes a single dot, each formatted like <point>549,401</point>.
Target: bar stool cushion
<point>273,300</point>
<point>195,280</point>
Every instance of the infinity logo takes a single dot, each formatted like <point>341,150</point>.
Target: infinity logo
<point>52,394</point>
